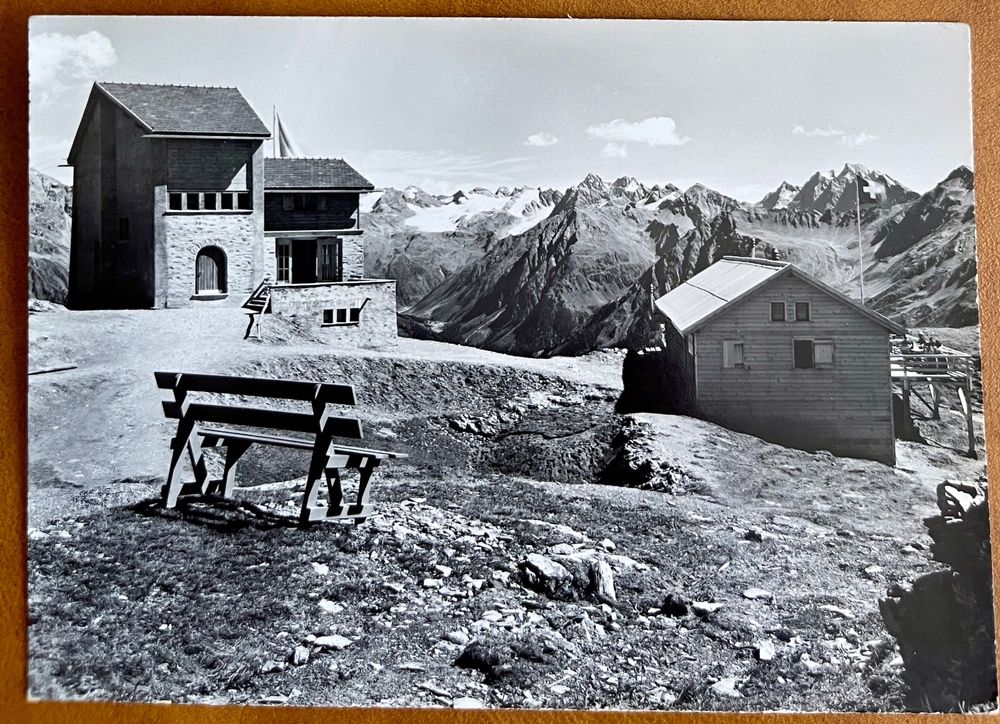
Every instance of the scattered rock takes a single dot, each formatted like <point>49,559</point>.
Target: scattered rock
<point>602,582</point>
<point>467,702</point>
<point>457,637</point>
<point>842,612</point>
<point>674,604</point>
<point>559,689</point>
<point>300,655</point>
<point>333,641</point>
<point>755,534</point>
<point>726,688</point>
<point>758,594</point>
<point>608,545</point>
<point>480,657</point>
<point>562,549</point>
<point>704,609</point>
<point>321,568</point>
<point>445,571</point>
<point>432,583</point>
<point>394,587</point>
<point>330,607</point>
<point>765,651</point>
<point>551,533</point>
<point>434,689</point>
<point>543,574</point>
<point>492,616</point>
<point>411,666</point>
<point>273,667</point>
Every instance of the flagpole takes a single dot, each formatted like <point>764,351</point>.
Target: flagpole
<point>274,131</point>
<point>861,257</point>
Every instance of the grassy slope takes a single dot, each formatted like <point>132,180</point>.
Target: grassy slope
<point>129,602</point>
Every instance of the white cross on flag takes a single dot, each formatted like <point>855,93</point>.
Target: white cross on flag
<point>870,192</point>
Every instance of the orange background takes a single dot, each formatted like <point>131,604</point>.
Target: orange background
<point>981,15</point>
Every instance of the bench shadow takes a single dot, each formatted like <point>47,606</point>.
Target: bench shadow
<point>226,515</point>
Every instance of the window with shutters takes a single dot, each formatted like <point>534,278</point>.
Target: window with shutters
<point>777,311</point>
<point>823,353</point>
<point>732,354</point>
<point>803,356</point>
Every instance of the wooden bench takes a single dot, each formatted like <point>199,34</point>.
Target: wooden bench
<point>263,426</point>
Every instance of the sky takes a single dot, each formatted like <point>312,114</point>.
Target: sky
<point>455,103</point>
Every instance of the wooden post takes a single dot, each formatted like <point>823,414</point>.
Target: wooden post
<point>907,414</point>
<point>963,397</point>
<point>935,401</point>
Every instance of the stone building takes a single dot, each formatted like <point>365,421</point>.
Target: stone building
<point>175,205</point>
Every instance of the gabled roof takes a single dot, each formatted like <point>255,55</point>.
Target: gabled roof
<point>179,110</point>
<point>708,293</point>
<point>198,110</point>
<point>312,174</point>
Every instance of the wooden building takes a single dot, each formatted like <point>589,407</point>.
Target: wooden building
<point>175,205</point>
<point>762,347</point>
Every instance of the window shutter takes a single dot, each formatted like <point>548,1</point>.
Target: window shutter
<point>823,351</point>
<point>789,311</point>
<point>727,353</point>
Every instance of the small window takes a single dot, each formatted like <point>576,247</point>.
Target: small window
<point>328,316</point>
<point>355,314</point>
<point>803,311</point>
<point>243,201</point>
<point>288,202</point>
<point>823,352</point>
<point>777,311</point>
<point>176,202</point>
<point>226,202</point>
<point>341,316</point>
<point>803,356</point>
<point>193,202</point>
<point>732,354</point>
<point>211,202</point>
<point>123,229</point>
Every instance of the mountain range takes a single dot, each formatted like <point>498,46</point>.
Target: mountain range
<point>541,271</point>
<point>534,271</point>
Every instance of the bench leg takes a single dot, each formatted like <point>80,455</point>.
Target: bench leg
<point>234,451</point>
<point>185,440</point>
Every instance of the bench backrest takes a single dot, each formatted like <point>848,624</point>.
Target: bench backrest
<point>320,394</point>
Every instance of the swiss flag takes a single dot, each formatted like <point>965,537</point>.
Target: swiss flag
<point>870,192</point>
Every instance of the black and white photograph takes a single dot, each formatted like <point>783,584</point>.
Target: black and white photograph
<point>505,364</point>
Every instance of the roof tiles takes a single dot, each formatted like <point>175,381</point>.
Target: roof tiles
<point>312,173</point>
<point>195,110</point>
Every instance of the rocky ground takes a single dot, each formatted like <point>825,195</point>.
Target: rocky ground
<point>536,549</point>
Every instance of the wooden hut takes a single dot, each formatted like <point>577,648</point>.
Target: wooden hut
<point>762,347</point>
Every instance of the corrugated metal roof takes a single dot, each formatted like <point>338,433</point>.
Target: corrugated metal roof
<point>312,173</point>
<point>196,110</point>
<point>690,303</point>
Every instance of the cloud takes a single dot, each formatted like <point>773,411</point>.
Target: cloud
<point>442,171</point>
<point>614,150</point>
<point>56,61</point>
<point>654,131</point>
<point>543,138</point>
<point>857,139</point>
<point>813,133</point>
<point>848,139</point>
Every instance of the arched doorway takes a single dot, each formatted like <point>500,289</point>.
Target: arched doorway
<point>210,271</point>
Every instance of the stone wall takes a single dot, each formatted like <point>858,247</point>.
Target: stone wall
<point>305,304</point>
<point>186,234</point>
